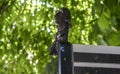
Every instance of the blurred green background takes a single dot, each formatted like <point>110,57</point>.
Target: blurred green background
<point>27,28</point>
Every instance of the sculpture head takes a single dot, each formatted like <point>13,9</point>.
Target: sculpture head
<point>66,13</point>
<point>63,15</point>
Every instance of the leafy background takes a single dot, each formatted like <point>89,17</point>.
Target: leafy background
<point>27,29</point>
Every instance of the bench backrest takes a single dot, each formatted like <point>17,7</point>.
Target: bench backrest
<point>89,59</point>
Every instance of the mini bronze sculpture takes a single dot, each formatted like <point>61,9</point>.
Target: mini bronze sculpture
<point>63,21</point>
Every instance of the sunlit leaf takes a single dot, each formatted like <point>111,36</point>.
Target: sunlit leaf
<point>103,23</point>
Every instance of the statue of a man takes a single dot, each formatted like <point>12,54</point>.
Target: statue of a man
<point>63,20</point>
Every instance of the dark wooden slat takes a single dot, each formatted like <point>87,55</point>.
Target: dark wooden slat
<point>100,58</point>
<point>86,70</point>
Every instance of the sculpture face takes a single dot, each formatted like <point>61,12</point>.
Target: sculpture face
<point>59,17</point>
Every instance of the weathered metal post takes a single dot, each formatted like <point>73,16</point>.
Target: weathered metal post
<point>65,61</point>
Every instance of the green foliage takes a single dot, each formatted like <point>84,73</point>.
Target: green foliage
<point>27,29</point>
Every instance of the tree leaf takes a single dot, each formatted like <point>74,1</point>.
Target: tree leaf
<point>103,23</point>
<point>114,39</point>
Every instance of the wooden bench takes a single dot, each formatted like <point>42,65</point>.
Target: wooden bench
<point>88,59</point>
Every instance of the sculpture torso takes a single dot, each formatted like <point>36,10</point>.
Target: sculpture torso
<point>63,24</point>
<point>62,19</point>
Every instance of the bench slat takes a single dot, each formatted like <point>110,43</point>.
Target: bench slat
<point>96,65</point>
<point>96,49</point>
